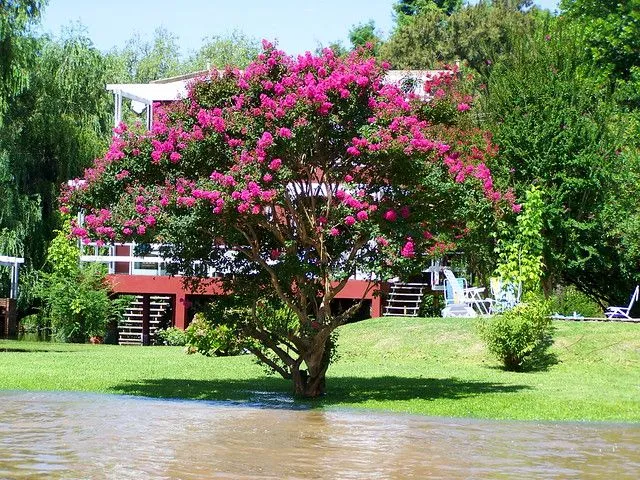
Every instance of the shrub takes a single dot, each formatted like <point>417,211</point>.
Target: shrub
<point>171,336</point>
<point>567,300</point>
<point>75,298</point>
<point>34,327</point>
<point>431,306</point>
<point>204,337</point>
<point>520,337</point>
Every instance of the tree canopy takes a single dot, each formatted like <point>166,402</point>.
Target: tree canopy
<point>477,35</point>
<point>16,46</point>
<point>295,174</point>
<point>59,124</point>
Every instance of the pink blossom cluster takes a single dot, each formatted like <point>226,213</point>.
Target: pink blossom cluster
<point>251,140</point>
<point>408,249</point>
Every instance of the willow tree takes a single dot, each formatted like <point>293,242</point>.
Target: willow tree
<point>294,173</point>
<point>17,47</point>
<point>55,128</point>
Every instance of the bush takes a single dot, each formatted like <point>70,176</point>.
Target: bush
<point>431,305</point>
<point>34,327</point>
<point>76,304</point>
<point>520,337</point>
<point>171,336</point>
<point>204,337</point>
<point>567,300</point>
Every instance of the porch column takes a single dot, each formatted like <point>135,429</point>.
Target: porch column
<point>146,313</point>
<point>181,311</point>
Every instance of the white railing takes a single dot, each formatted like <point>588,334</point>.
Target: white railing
<point>151,265</point>
<point>13,263</point>
<point>155,265</point>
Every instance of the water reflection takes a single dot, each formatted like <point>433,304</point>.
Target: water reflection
<point>70,435</point>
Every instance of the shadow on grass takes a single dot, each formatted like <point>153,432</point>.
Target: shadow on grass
<point>272,391</point>
<point>31,350</point>
<point>540,363</point>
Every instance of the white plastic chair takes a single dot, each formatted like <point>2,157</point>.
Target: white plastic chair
<point>623,312</point>
<point>506,295</point>
<point>469,296</point>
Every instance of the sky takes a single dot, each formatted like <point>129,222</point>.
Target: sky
<point>297,25</point>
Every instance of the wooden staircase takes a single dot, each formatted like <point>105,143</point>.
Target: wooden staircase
<point>131,328</point>
<point>404,299</point>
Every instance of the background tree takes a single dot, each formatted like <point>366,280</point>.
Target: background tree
<point>219,51</point>
<point>364,35</point>
<point>16,46</point>
<point>406,10</point>
<point>58,125</point>
<point>553,123</point>
<point>612,33</point>
<point>478,35</point>
<point>141,60</point>
<point>293,174</point>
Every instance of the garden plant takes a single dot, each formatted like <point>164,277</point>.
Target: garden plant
<point>294,174</point>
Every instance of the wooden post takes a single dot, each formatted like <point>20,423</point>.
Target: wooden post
<point>146,315</point>
<point>8,317</point>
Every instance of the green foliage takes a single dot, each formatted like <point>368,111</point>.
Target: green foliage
<point>431,306</point>
<point>172,336</point>
<point>17,47</point>
<point>210,339</point>
<point>612,33</point>
<point>141,60</point>
<point>220,51</point>
<point>622,220</point>
<point>58,126</point>
<point>405,10</point>
<point>556,128</point>
<point>478,35</point>
<point>520,256</point>
<point>569,300</point>
<point>34,324</point>
<point>364,35</point>
<point>520,337</point>
<point>75,299</point>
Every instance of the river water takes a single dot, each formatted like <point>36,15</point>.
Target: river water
<point>78,435</point>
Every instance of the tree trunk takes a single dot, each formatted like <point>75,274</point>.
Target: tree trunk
<point>311,382</point>
<point>306,386</point>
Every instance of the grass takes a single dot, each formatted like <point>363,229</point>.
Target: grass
<point>424,366</point>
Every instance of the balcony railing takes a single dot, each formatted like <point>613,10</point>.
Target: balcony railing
<point>154,264</point>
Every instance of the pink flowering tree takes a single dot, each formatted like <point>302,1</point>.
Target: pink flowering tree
<point>293,174</point>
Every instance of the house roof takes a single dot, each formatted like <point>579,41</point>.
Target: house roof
<point>148,93</point>
<point>175,88</point>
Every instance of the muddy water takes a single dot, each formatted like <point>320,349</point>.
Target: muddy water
<point>75,436</point>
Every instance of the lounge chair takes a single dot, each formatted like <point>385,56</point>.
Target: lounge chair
<point>464,295</point>
<point>506,295</point>
<point>623,312</point>
<point>454,300</point>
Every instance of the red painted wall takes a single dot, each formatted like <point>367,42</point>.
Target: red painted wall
<point>161,285</point>
<point>166,285</point>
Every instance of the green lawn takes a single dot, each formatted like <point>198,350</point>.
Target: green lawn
<point>426,366</point>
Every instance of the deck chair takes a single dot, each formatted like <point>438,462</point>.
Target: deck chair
<point>506,295</point>
<point>454,294</point>
<point>463,295</point>
<point>623,312</point>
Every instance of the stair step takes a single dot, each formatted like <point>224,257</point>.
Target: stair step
<point>404,299</point>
